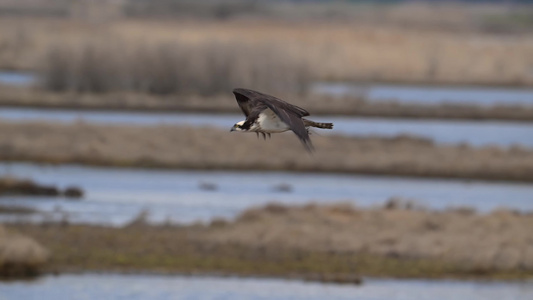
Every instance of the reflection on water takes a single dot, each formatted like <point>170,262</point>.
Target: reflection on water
<point>430,94</point>
<point>474,133</point>
<point>114,286</point>
<point>115,196</point>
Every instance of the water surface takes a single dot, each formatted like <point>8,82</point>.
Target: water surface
<point>115,196</point>
<point>485,96</point>
<point>17,79</point>
<point>445,132</point>
<point>155,287</point>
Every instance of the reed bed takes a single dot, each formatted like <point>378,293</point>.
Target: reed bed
<point>346,50</point>
<point>208,148</point>
<point>208,68</point>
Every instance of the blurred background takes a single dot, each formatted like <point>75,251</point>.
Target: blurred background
<point>118,170</point>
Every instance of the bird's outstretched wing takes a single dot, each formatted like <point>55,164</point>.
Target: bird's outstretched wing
<point>252,103</point>
<point>243,100</point>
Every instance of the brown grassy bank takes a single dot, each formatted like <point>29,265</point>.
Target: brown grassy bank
<point>330,243</point>
<point>208,148</point>
<point>20,256</point>
<point>318,105</point>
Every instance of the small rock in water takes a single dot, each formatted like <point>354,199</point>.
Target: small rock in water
<point>73,192</point>
<point>404,204</point>
<point>208,186</point>
<point>283,187</point>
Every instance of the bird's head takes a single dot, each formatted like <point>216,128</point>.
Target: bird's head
<point>238,126</point>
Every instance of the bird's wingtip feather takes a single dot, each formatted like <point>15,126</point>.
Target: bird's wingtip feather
<point>238,90</point>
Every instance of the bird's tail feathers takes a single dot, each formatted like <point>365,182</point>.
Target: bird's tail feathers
<point>324,125</point>
<point>309,123</point>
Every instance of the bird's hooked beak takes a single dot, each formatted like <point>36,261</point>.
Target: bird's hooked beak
<point>237,126</point>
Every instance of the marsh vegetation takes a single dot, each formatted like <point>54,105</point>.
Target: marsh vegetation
<point>336,243</point>
<point>187,55</point>
<point>166,50</point>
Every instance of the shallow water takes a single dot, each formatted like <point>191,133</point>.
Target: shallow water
<point>18,79</point>
<point>449,132</point>
<point>485,96</point>
<point>155,287</point>
<point>115,196</point>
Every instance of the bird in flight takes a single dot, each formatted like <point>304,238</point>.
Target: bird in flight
<point>267,114</point>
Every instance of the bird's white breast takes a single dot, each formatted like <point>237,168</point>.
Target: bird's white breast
<point>269,122</point>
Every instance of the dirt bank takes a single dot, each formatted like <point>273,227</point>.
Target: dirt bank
<point>328,243</point>
<point>208,148</point>
<point>20,256</point>
<point>317,105</point>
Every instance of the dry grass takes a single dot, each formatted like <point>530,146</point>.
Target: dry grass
<point>360,52</point>
<point>101,65</point>
<point>340,50</point>
<point>20,256</point>
<point>499,240</point>
<point>207,148</point>
<point>328,243</point>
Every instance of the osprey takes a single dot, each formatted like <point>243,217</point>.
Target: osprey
<point>267,114</point>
